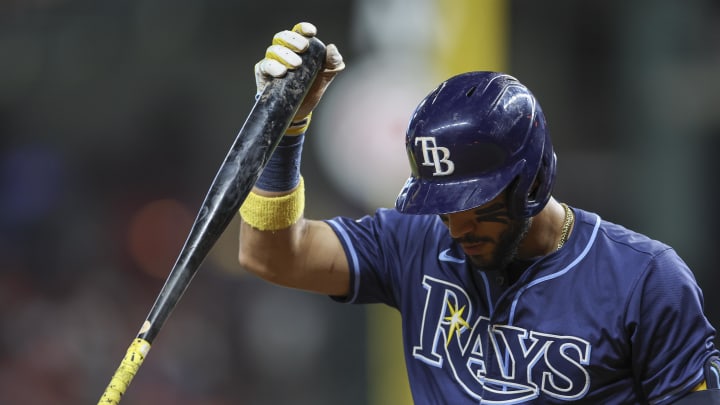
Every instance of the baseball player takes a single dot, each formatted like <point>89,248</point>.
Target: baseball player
<point>506,294</point>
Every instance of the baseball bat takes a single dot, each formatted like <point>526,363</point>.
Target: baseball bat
<point>263,128</point>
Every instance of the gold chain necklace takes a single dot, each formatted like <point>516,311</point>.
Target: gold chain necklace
<point>567,224</point>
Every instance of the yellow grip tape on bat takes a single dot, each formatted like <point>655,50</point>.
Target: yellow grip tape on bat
<point>129,366</point>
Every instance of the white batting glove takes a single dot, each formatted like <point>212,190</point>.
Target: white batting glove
<point>284,55</point>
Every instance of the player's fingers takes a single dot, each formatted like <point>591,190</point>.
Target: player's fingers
<point>270,67</point>
<point>291,40</point>
<point>306,29</point>
<point>333,59</point>
<point>283,55</point>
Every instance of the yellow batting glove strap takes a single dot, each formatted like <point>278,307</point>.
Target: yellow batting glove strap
<point>274,213</point>
<point>300,126</point>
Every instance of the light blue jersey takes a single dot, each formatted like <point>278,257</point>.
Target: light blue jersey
<point>611,318</point>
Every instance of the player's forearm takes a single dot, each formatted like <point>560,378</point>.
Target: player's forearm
<point>270,221</point>
<point>285,257</point>
<point>270,255</point>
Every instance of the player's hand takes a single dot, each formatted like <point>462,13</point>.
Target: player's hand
<point>284,54</point>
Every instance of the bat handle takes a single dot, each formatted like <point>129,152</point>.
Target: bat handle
<point>129,366</point>
<point>262,131</point>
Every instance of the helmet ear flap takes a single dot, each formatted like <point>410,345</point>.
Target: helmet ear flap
<point>518,194</point>
<point>542,187</point>
<point>512,192</point>
<point>525,199</point>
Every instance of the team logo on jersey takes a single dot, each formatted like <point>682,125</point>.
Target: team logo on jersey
<point>524,364</point>
<point>437,156</point>
<point>446,257</point>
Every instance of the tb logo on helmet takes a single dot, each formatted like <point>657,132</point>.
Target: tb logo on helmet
<point>433,155</point>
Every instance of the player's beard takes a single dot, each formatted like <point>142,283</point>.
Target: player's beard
<point>506,247</point>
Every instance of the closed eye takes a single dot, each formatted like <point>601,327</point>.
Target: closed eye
<point>493,213</point>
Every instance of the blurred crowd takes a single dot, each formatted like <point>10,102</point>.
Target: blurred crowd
<point>103,109</point>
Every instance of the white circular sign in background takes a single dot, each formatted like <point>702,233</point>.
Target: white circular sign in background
<point>360,127</point>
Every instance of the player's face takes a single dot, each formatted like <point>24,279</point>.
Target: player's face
<point>489,237</point>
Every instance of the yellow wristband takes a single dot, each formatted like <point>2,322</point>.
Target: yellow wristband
<point>274,213</point>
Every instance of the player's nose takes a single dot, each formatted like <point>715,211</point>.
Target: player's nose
<point>459,225</point>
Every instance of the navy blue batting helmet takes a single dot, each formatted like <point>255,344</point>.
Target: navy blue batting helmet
<point>474,136</point>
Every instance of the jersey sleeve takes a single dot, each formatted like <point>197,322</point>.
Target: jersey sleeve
<point>379,248</point>
<point>671,337</point>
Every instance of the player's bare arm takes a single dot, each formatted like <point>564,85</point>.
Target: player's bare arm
<point>307,256</point>
<point>276,242</point>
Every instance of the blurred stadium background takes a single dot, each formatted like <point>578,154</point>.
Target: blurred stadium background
<point>115,115</point>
